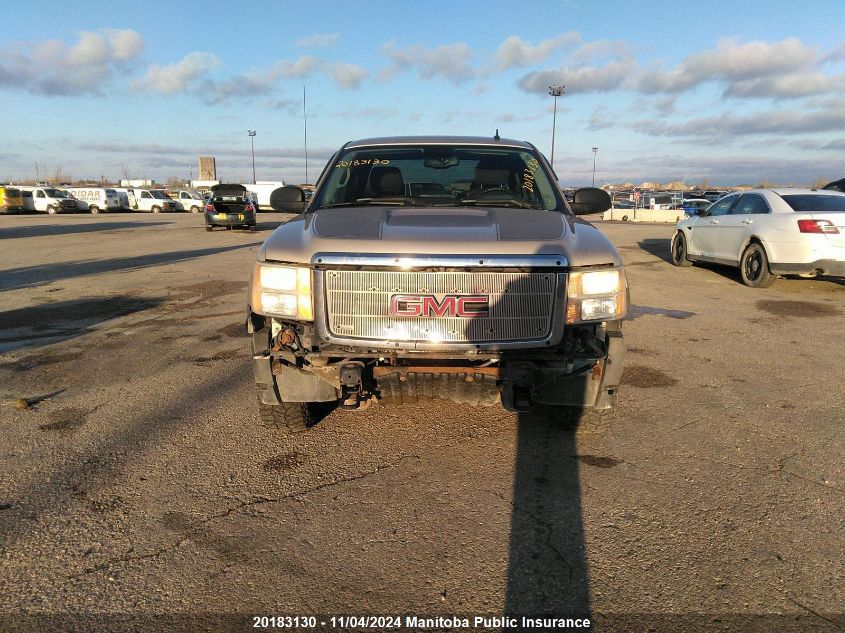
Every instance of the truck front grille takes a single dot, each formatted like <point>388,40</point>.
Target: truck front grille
<point>519,305</point>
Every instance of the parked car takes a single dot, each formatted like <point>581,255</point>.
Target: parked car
<point>153,200</point>
<point>230,206</point>
<point>713,195</point>
<point>50,200</point>
<point>836,185</point>
<point>96,199</point>
<point>691,206</point>
<point>186,199</point>
<point>495,293</point>
<point>11,200</point>
<point>766,233</point>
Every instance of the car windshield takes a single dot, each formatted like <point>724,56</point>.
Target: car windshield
<point>439,176</point>
<point>804,203</point>
<point>159,195</point>
<point>56,193</point>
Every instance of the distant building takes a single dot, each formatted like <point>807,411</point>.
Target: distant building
<point>138,183</point>
<point>208,168</point>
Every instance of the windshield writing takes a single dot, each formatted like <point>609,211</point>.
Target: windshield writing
<point>439,176</point>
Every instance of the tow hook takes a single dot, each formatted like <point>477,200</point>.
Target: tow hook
<point>351,385</point>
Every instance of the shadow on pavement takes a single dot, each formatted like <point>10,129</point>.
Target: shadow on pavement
<point>42,230</point>
<point>42,324</point>
<point>547,565</point>
<point>31,276</point>
<point>658,248</point>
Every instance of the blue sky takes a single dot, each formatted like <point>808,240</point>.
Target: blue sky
<point>717,91</point>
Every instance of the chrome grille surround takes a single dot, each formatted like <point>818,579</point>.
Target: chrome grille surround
<point>526,307</point>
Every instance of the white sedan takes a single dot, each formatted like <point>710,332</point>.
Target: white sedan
<point>766,233</point>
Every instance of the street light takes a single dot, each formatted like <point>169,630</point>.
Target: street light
<point>595,151</point>
<point>252,143</point>
<point>556,90</point>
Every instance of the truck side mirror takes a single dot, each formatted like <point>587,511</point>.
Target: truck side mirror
<point>289,199</point>
<point>590,200</point>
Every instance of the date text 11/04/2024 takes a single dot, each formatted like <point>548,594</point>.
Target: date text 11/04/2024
<point>417,622</point>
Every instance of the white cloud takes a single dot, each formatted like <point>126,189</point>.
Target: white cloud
<point>347,76</point>
<point>731,62</point>
<point>784,86</point>
<point>515,51</point>
<point>777,122</point>
<point>298,68</point>
<point>182,76</point>
<point>53,67</point>
<point>449,61</point>
<point>318,40</point>
<point>583,80</point>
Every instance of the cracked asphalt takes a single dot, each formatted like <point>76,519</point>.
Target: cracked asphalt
<point>135,478</point>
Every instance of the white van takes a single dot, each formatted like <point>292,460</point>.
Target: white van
<point>47,199</point>
<point>261,191</point>
<point>187,199</point>
<point>96,199</point>
<point>153,200</point>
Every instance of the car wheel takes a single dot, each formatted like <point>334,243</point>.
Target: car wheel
<point>208,228</point>
<point>52,210</point>
<point>195,209</point>
<point>252,227</point>
<point>156,209</point>
<point>679,250</point>
<point>94,209</point>
<point>754,267</point>
<point>287,417</point>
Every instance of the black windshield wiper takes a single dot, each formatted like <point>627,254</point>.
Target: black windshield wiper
<point>399,202</point>
<point>499,203</point>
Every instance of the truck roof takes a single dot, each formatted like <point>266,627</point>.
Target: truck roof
<point>439,140</point>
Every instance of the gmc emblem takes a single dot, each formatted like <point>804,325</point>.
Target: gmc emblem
<point>467,306</point>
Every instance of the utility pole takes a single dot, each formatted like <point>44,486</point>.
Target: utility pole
<point>252,143</point>
<point>595,151</point>
<point>556,90</point>
<point>305,124</point>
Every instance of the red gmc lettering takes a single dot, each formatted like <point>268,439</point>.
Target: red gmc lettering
<point>430,306</point>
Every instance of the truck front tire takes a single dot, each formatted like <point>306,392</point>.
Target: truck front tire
<point>52,210</point>
<point>156,209</point>
<point>94,209</point>
<point>287,417</point>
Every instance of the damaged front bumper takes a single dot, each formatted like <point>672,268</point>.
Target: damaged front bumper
<point>585,370</point>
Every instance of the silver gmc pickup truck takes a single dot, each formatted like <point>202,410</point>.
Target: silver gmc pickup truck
<point>436,267</point>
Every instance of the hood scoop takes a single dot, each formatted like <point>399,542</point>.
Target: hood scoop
<point>440,218</point>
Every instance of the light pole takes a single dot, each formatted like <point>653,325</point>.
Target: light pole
<point>252,143</point>
<point>557,90</point>
<point>595,151</point>
<point>305,128</point>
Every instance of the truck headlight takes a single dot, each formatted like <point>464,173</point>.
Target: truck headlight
<point>283,291</point>
<point>596,295</point>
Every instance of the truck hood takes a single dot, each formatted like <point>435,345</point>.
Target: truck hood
<point>438,231</point>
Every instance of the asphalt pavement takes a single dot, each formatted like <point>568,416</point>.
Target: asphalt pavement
<point>136,480</point>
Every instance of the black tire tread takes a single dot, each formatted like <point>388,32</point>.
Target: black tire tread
<point>288,417</point>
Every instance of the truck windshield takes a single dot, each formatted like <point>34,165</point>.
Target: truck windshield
<point>56,193</point>
<point>439,176</point>
<point>159,195</point>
